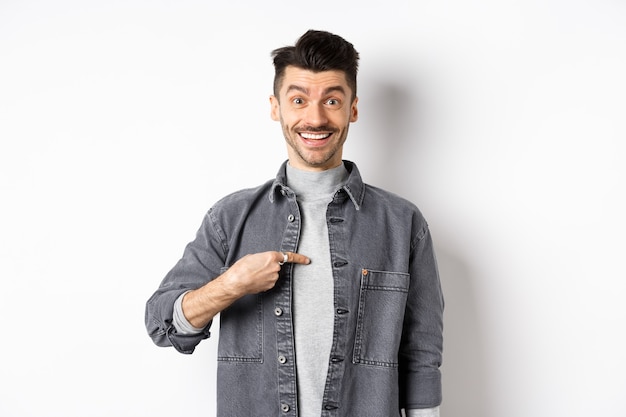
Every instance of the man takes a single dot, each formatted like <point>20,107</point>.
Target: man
<point>327,288</point>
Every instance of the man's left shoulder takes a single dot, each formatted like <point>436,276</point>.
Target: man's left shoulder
<point>392,204</point>
<point>389,198</point>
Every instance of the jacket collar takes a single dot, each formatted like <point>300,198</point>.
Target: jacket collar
<point>354,187</point>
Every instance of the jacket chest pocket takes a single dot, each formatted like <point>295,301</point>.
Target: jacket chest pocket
<point>382,302</point>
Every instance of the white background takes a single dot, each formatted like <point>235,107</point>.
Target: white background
<point>121,122</point>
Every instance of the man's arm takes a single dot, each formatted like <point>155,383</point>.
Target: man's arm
<point>422,341</point>
<point>202,258</point>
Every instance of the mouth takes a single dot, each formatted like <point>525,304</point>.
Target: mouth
<point>314,136</point>
<point>315,139</point>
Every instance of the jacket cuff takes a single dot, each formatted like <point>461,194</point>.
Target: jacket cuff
<point>423,390</point>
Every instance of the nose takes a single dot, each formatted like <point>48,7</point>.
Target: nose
<point>316,115</point>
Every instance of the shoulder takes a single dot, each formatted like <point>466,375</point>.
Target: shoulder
<point>385,203</point>
<point>380,196</point>
<point>243,198</point>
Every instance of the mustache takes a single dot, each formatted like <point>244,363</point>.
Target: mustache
<point>315,129</point>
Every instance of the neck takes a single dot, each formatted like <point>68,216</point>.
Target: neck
<point>316,183</point>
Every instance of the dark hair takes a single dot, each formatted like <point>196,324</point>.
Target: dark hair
<point>317,51</point>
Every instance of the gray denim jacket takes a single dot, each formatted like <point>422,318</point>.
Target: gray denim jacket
<point>387,340</point>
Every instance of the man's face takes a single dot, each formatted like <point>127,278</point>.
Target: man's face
<point>315,111</point>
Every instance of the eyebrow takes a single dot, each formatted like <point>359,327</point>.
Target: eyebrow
<point>303,90</point>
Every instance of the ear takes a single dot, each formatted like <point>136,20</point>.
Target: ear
<point>354,110</point>
<point>275,108</point>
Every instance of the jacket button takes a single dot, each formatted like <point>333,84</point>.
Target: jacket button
<point>278,311</point>
<point>285,408</point>
<point>282,359</point>
<point>291,218</point>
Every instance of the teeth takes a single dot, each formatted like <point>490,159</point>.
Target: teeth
<point>315,136</point>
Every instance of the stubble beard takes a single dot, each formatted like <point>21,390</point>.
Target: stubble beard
<point>314,159</point>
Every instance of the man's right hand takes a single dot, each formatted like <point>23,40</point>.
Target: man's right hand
<point>258,272</point>
<point>251,274</point>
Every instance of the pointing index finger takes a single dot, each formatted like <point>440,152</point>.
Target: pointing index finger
<point>296,258</point>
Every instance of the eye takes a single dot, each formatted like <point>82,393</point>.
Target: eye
<point>297,101</point>
<point>333,102</point>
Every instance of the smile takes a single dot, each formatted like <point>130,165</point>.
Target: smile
<point>314,136</point>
